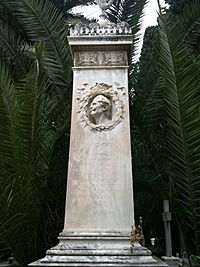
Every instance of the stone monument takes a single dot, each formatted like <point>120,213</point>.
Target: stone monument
<point>99,202</point>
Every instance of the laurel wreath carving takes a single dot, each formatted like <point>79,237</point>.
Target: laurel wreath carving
<point>85,98</point>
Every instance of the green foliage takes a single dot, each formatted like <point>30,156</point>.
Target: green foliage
<point>149,184</point>
<point>176,6</point>
<point>131,12</point>
<point>166,113</point>
<point>35,97</point>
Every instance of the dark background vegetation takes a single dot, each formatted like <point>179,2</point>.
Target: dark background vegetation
<point>35,104</point>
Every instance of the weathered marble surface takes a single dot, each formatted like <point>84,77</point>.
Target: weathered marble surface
<point>99,186</point>
<point>94,250</point>
<point>99,190</point>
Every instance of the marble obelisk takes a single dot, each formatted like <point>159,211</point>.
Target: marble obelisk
<point>99,201</point>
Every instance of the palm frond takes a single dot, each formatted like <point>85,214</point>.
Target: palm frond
<point>8,107</point>
<point>181,95</point>
<point>172,103</point>
<point>26,109</point>
<point>43,22</point>
<point>12,47</point>
<point>131,12</point>
<point>69,4</point>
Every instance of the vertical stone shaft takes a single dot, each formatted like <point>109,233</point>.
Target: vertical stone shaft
<point>99,186</point>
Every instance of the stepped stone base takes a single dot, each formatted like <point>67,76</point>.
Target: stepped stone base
<point>98,249</point>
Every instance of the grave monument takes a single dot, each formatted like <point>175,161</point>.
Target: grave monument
<point>99,209</point>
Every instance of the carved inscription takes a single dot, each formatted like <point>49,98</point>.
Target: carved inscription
<point>86,59</point>
<point>99,159</point>
<point>100,58</point>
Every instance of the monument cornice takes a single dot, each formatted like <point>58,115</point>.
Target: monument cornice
<point>102,43</point>
<point>99,39</point>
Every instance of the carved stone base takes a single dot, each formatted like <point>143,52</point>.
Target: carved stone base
<point>98,249</point>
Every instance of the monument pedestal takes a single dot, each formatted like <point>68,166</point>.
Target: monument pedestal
<point>99,203</point>
<point>98,249</point>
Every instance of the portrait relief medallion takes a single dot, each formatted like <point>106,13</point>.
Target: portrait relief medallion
<point>101,107</point>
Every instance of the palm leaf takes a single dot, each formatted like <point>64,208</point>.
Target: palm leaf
<point>43,22</point>
<point>8,106</point>
<point>30,104</point>
<point>172,102</point>
<point>131,12</point>
<point>181,95</point>
<point>12,47</point>
<point>24,175</point>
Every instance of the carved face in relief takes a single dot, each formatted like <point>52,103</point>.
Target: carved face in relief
<point>99,109</point>
<point>102,106</point>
